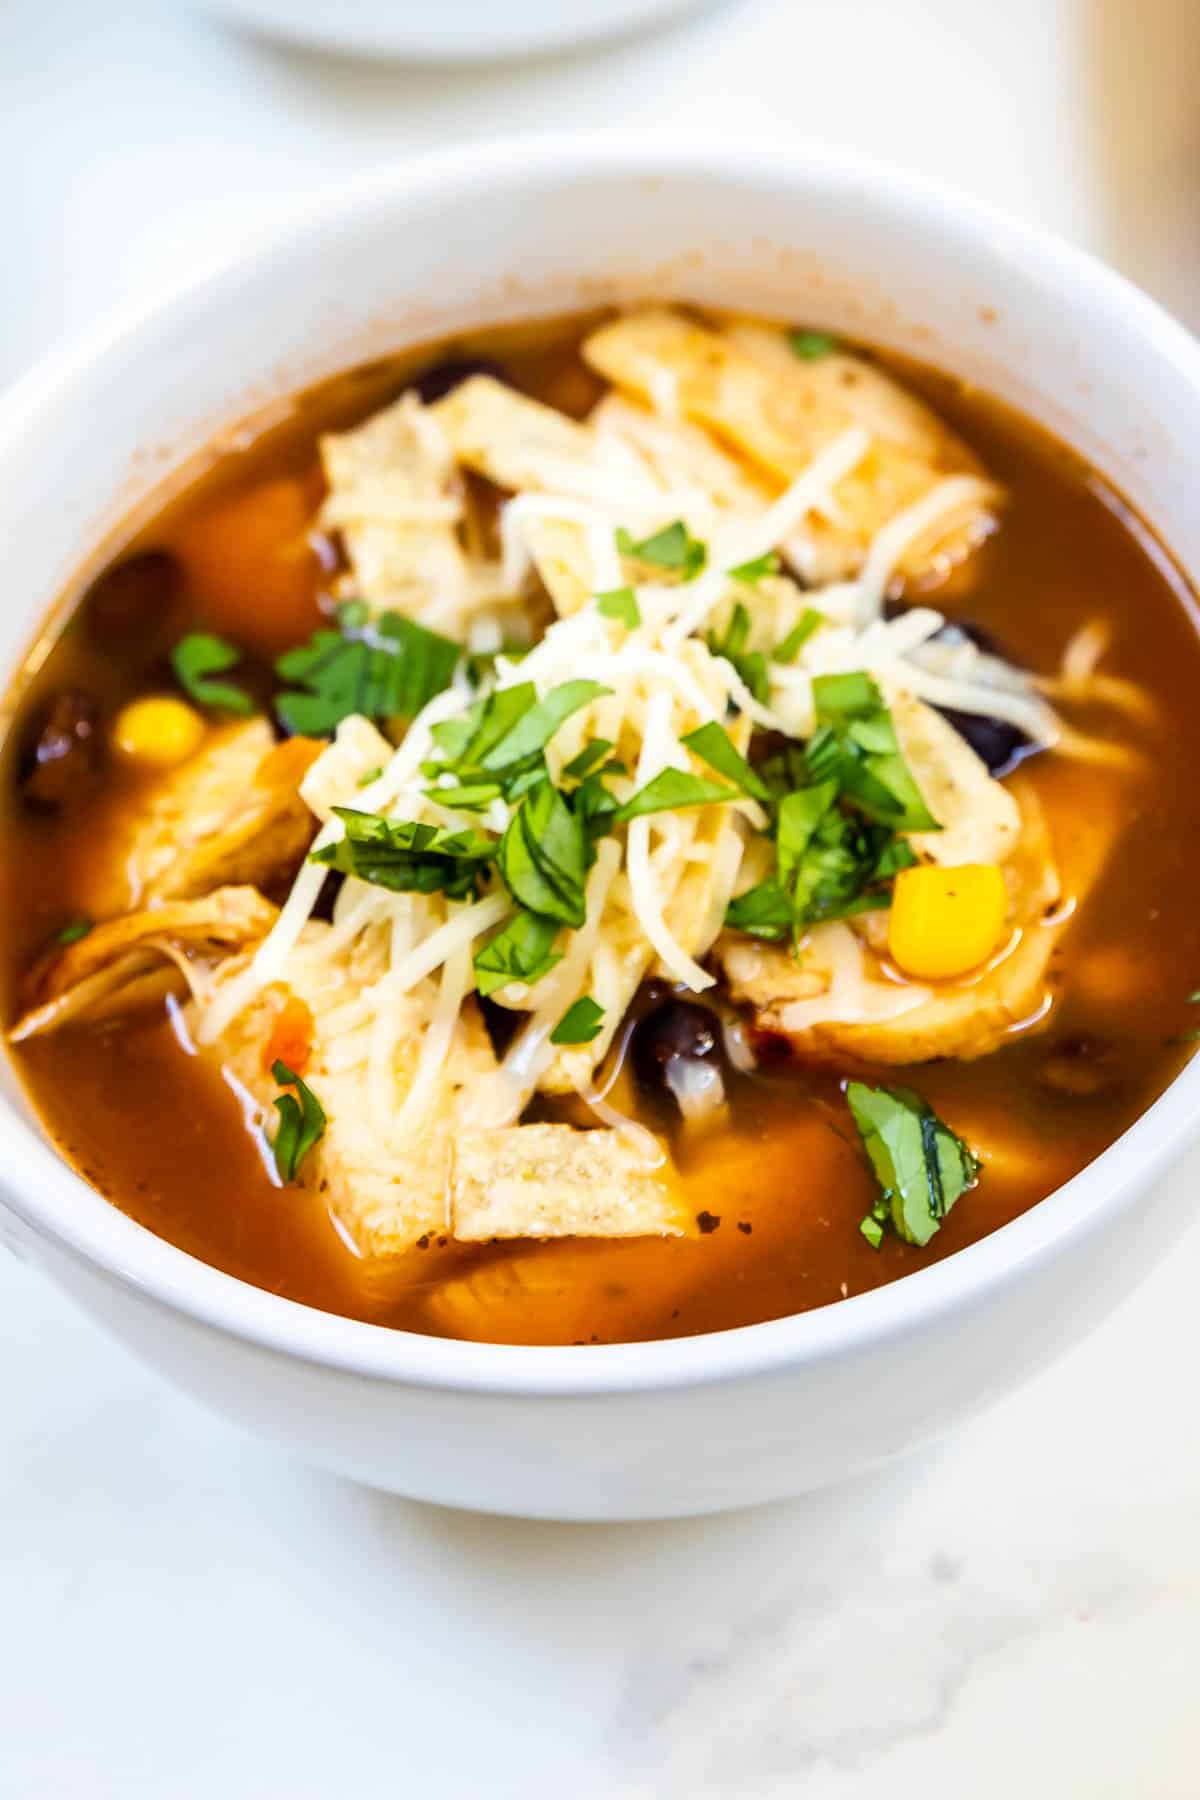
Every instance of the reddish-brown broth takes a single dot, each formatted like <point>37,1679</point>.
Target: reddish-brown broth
<point>158,1132</point>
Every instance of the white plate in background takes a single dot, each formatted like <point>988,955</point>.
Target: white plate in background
<point>448,30</point>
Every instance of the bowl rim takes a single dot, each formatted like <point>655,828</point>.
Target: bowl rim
<point>40,1189</point>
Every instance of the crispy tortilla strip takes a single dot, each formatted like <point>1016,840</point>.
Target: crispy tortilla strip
<point>383,1198</point>
<point>230,815</point>
<point>552,1181</point>
<point>885,1022</point>
<point>116,968</point>
<point>516,442</point>
<point>683,457</point>
<point>391,497</point>
<point>780,411</point>
<point>980,819</point>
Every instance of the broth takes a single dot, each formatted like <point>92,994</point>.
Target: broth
<point>158,1132</point>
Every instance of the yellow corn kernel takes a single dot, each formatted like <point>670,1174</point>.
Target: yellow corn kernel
<point>946,921</point>
<point>157,731</point>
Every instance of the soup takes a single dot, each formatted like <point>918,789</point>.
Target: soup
<point>613,830</point>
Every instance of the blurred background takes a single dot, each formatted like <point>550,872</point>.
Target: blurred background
<point>185,1615</point>
<point>141,139</point>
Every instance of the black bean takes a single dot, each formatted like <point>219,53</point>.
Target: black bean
<point>443,377</point>
<point>996,742</point>
<point>680,1030</point>
<point>133,599</point>
<point>63,752</point>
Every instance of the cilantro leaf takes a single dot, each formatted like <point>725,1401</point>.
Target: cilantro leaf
<point>588,759</point>
<point>670,790</point>
<point>672,548</point>
<point>580,1023</point>
<point>751,665</point>
<point>789,648</point>
<point>385,668</point>
<point>810,346</point>
<point>713,745</point>
<point>533,730</point>
<point>872,770</point>
<point>543,856</point>
<point>921,1166</point>
<point>765,911</point>
<point>620,603</point>
<point>751,573</point>
<point>301,1122</point>
<point>522,950</point>
<point>407,857</point>
<point>196,659</point>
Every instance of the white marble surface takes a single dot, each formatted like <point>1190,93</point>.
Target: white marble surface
<point>184,1614</point>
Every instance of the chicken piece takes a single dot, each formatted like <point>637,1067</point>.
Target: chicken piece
<point>231,814</point>
<point>391,498</point>
<point>384,1197</point>
<point>834,1001</point>
<point>780,411</point>
<point>552,1181</point>
<point>117,968</point>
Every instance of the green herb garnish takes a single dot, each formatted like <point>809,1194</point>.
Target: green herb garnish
<point>580,1023</point>
<point>544,856</point>
<point>407,857</point>
<point>713,745</point>
<point>751,573</point>
<point>789,648</point>
<point>921,1166</point>
<point>301,1122</point>
<point>872,772</point>
<point>670,790</point>
<point>810,346</point>
<point>672,548</point>
<point>196,659</point>
<point>386,668</point>
<point>620,603</point>
<point>751,665</point>
<point>522,950</point>
<point>497,746</point>
<point>72,932</point>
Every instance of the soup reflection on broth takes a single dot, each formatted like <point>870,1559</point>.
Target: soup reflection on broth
<point>612,830</point>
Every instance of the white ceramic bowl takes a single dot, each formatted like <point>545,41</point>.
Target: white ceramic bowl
<point>448,30</point>
<point>496,232</point>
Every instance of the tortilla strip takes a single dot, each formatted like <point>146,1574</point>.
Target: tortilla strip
<point>552,1181</point>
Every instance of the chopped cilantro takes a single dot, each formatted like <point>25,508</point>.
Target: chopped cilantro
<point>301,1122</point>
<point>589,758</point>
<point>789,648</point>
<point>713,745</point>
<point>620,603</point>
<point>522,950</point>
<point>872,770</point>
<point>496,747</point>
<point>810,346</point>
<point>196,659</point>
<point>751,665</point>
<point>580,1023</point>
<point>384,668</point>
<point>670,790</point>
<point>921,1166</point>
<point>407,857</point>
<point>368,777</point>
<point>672,548</point>
<point>74,931</point>
<point>544,856</point>
<point>751,573</point>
